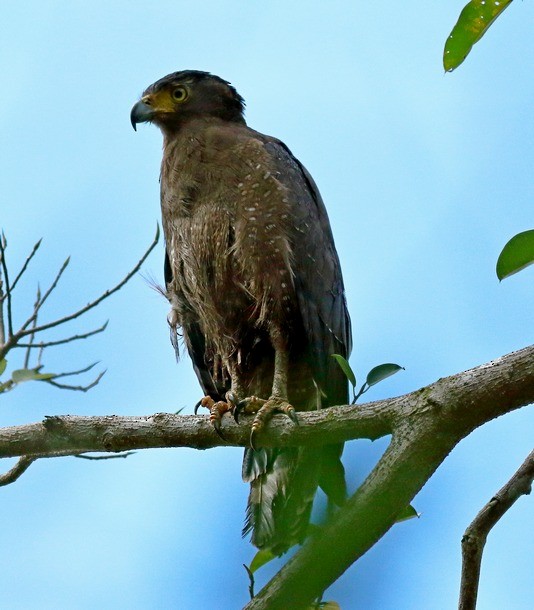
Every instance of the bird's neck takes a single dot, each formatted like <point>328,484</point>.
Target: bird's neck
<point>188,126</point>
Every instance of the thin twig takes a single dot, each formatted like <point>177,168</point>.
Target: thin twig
<point>3,246</point>
<point>18,469</point>
<point>250,581</point>
<point>54,283</point>
<point>40,302</point>
<point>78,372</point>
<point>25,331</point>
<point>43,344</point>
<point>26,263</point>
<point>34,324</point>
<point>76,388</point>
<point>2,327</point>
<point>474,539</point>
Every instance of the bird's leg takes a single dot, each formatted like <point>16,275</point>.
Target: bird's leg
<point>218,408</point>
<point>278,401</point>
<point>236,389</point>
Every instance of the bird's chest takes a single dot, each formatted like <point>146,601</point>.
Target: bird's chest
<point>226,227</point>
<point>198,218</point>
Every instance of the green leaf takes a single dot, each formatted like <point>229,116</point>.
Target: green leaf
<point>260,559</point>
<point>472,24</point>
<point>345,367</point>
<point>516,255</point>
<point>408,513</point>
<point>3,364</point>
<point>381,372</point>
<point>21,375</point>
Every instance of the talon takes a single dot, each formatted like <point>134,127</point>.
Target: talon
<point>292,414</point>
<point>237,410</point>
<point>217,427</point>
<point>240,407</point>
<point>205,401</point>
<point>217,410</point>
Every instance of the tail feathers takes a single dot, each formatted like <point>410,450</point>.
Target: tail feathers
<point>332,476</point>
<point>283,485</point>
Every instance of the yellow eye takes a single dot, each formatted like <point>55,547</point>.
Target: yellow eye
<point>179,94</point>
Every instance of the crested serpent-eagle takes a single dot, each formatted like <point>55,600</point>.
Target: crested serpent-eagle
<point>255,288</point>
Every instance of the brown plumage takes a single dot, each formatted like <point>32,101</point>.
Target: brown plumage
<point>254,283</point>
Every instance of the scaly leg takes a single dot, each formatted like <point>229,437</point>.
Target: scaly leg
<point>278,401</point>
<point>219,408</point>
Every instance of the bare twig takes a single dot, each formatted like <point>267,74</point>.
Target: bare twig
<point>13,338</point>
<point>43,344</point>
<point>2,326</point>
<point>250,581</point>
<point>26,263</point>
<point>18,469</point>
<point>41,301</point>
<point>7,287</point>
<point>474,539</point>
<point>34,324</point>
<point>78,372</point>
<point>77,388</point>
<point>93,304</point>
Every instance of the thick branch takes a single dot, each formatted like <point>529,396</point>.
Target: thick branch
<point>18,469</point>
<point>425,425</point>
<point>475,535</point>
<point>458,404</point>
<point>426,428</point>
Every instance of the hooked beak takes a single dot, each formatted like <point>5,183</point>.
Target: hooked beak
<point>141,113</point>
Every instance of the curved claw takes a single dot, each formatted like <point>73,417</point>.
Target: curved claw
<point>238,408</point>
<point>217,427</point>
<point>292,414</point>
<point>195,410</point>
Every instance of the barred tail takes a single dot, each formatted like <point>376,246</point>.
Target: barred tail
<point>283,483</point>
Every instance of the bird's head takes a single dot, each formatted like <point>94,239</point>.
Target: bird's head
<point>182,96</point>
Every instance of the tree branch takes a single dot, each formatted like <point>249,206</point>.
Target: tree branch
<point>43,344</point>
<point>7,286</point>
<point>26,263</point>
<point>425,426</point>
<point>18,469</point>
<point>474,539</point>
<point>30,327</point>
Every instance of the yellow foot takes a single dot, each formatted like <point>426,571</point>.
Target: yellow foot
<point>217,410</point>
<point>264,410</point>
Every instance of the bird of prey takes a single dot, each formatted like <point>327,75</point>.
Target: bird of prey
<point>255,288</point>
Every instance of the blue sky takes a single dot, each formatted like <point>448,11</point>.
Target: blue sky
<point>425,177</point>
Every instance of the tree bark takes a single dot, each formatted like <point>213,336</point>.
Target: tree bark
<point>425,425</point>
